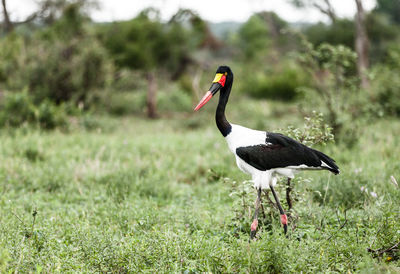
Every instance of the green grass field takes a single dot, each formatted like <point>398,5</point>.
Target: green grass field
<point>166,196</point>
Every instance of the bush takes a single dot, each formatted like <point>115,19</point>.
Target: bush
<point>340,32</point>
<point>11,47</point>
<point>17,109</point>
<point>50,116</point>
<point>121,103</point>
<point>61,71</point>
<point>174,100</point>
<point>335,89</point>
<point>134,102</point>
<point>61,62</point>
<point>387,84</point>
<point>281,84</point>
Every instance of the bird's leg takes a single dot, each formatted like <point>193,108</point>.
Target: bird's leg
<point>262,210</point>
<point>288,190</point>
<point>269,199</point>
<point>254,224</point>
<point>281,211</point>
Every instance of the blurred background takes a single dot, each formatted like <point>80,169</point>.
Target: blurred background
<point>106,168</point>
<point>62,58</point>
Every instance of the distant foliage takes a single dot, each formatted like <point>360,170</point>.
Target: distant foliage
<point>11,48</point>
<point>61,71</point>
<point>60,63</point>
<point>340,32</point>
<point>267,72</point>
<point>390,8</point>
<point>18,109</point>
<point>379,28</point>
<point>262,36</point>
<point>175,100</point>
<point>254,40</point>
<point>384,36</point>
<point>386,83</point>
<point>335,87</point>
<point>144,43</point>
<point>280,84</point>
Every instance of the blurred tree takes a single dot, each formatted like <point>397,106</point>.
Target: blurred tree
<point>204,38</point>
<point>145,44</point>
<point>361,39</point>
<point>61,62</point>
<point>387,83</point>
<point>341,32</point>
<point>281,41</point>
<point>389,7</point>
<point>334,86</point>
<point>193,35</point>
<point>263,43</point>
<point>48,12</point>
<point>384,34</point>
<point>7,25</point>
<point>323,6</point>
<point>254,40</point>
<point>361,45</point>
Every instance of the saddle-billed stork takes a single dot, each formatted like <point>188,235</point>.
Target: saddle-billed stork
<point>263,155</point>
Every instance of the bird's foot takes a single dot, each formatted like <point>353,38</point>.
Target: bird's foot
<point>284,219</point>
<point>253,228</point>
<point>284,222</point>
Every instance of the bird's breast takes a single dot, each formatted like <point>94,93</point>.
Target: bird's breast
<point>242,137</point>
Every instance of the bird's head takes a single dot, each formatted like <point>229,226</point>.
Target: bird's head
<point>222,76</point>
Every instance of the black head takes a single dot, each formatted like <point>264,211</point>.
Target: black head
<point>224,70</point>
<point>223,77</point>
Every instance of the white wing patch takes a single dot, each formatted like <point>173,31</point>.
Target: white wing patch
<point>323,164</point>
<point>242,137</point>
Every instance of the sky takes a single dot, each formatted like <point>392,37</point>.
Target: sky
<point>211,10</point>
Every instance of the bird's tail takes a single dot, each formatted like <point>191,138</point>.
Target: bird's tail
<point>327,162</point>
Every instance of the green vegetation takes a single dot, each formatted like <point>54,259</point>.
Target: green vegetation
<point>135,195</point>
<point>89,183</point>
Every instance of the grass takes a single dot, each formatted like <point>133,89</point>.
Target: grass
<point>162,196</point>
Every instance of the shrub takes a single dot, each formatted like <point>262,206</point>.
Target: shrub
<point>335,88</point>
<point>281,84</point>
<point>387,84</point>
<point>134,102</point>
<point>314,132</point>
<point>50,116</point>
<point>11,47</point>
<point>121,103</point>
<point>17,109</point>
<point>61,62</point>
<point>174,100</point>
<point>61,71</point>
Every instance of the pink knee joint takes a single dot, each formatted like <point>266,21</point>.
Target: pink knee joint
<point>254,225</point>
<point>284,219</point>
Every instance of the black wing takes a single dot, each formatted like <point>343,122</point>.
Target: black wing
<point>282,151</point>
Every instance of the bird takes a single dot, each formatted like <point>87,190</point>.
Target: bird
<point>264,155</point>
